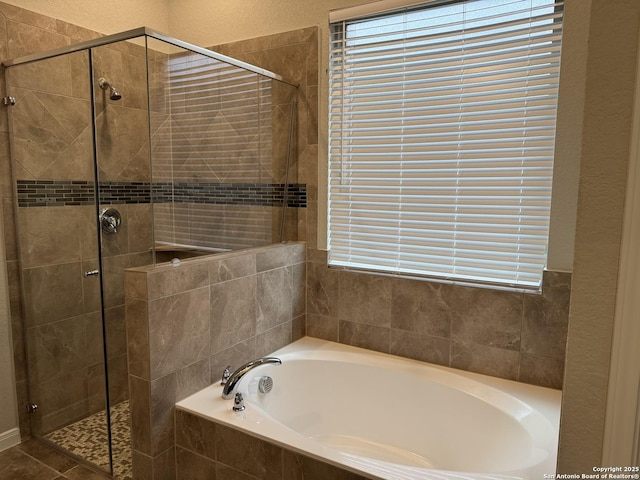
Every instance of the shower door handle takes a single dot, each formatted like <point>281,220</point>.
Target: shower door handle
<point>91,273</point>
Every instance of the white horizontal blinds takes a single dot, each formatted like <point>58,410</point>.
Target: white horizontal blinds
<point>442,124</point>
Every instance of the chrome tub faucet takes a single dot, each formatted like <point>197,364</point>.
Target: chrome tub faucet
<point>232,381</point>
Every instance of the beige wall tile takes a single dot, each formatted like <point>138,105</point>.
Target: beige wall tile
<point>61,400</point>
<point>273,298</point>
<point>273,339</point>
<point>543,371</point>
<point>297,466</point>
<point>232,267</point>
<point>57,349</point>
<point>233,312</point>
<point>164,465</point>
<point>486,317</point>
<point>322,327</point>
<point>364,299</point>
<point>137,324</point>
<point>364,335</point>
<point>497,362</point>
<point>163,399</point>
<point>234,356</point>
<point>45,301</point>
<point>177,279</point>
<point>142,465</point>
<point>420,347</point>
<point>196,434</point>
<point>25,39</point>
<point>140,405</point>
<point>190,466</point>
<point>46,239</point>
<point>248,454</point>
<point>422,307</point>
<point>192,378</point>
<point>178,331</point>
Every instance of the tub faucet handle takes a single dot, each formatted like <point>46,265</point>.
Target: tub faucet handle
<point>238,403</point>
<point>225,375</point>
<point>230,387</point>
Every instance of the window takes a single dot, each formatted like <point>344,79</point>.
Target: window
<point>442,127</point>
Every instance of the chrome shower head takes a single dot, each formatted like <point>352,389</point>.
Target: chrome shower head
<point>113,93</point>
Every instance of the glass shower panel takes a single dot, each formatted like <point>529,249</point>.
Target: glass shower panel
<point>219,146</point>
<point>53,165</point>
<point>122,158</point>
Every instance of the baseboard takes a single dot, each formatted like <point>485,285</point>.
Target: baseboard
<point>9,439</point>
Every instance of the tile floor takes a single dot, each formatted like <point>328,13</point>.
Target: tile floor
<point>87,438</point>
<point>33,460</point>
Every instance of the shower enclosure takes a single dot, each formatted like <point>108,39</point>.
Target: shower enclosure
<point>127,150</point>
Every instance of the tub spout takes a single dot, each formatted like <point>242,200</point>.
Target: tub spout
<point>232,383</point>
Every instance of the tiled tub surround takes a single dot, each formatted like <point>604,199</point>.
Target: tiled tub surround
<point>206,450</point>
<point>471,423</point>
<point>518,336</point>
<point>185,323</point>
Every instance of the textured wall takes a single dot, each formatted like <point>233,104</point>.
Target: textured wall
<point>568,148</point>
<point>112,17</point>
<point>610,86</point>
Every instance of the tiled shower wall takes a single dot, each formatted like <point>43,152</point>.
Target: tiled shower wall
<point>220,146</point>
<point>294,56</point>
<point>186,323</point>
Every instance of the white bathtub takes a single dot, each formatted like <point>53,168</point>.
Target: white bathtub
<point>388,417</point>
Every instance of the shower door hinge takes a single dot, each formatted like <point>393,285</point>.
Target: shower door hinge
<point>9,101</point>
<point>32,408</point>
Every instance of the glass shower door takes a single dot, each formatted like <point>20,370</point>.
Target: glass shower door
<point>52,142</point>
<point>123,166</point>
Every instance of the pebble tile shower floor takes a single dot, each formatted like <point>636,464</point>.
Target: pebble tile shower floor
<point>87,438</point>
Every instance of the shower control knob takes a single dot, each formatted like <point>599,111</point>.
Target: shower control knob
<point>110,220</point>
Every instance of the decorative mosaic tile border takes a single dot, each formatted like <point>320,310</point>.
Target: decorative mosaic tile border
<point>57,193</point>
